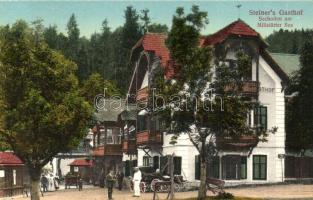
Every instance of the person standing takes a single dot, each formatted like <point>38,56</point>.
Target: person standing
<point>136,181</point>
<point>120,178</point>
<point>110,179</point>
<point>44,183</point>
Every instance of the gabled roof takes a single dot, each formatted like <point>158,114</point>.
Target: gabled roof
<point>9,159</point>
<point>155,42</point>
<point>112,108</point>
<point>81,163</point>
<point>238,28</point>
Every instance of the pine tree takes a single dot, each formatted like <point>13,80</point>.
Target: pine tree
<point>299,116</point>
<point>72,38</point>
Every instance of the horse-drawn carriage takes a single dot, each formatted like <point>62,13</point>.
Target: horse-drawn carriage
<point>150,178</point>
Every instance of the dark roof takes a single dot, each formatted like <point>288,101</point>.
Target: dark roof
<point>9,159</point>
<point>112,108</point>
<point>129,114</point>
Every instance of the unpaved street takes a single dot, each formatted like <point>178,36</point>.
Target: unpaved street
<point>266,192</point>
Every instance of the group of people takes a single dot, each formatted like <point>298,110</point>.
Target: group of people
<point>111,178</point>
<point>49,183</point>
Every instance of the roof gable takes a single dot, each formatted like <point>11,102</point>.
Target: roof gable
<point>239,28</point>
<point>8,158</point>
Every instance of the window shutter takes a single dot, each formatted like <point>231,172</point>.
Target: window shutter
<point>197,167</point>
<point>156,162</point>
<point>163,163</point>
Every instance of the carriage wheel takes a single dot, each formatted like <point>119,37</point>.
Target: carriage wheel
<point>152,185</point>
<point>177,187</point>
<point>143,187</point>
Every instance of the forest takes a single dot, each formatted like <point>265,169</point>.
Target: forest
<point>107,52</point>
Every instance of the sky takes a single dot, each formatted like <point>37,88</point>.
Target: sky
<point>90,14</point>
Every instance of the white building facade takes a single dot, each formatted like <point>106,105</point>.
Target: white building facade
<point>262,164</point>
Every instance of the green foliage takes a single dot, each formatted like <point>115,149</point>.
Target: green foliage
<point>224,195</point>
<point>96,85</point>
<point>299,112</point>
<point>42,112</point>
<point>158,28</point>
<point>296,38</point>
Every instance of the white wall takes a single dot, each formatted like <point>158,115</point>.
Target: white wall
<point>185,149</point>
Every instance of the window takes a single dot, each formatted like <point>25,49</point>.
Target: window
<point>142,122</point>
<point>259,167</point>
<point>234,167</point>
<point>14,176</point>
<point>213,170</point>
<point>260,117</point>
<point>109,136</point>
<point>243,167</point>
<point>146,161</point>
<point>177,165</point>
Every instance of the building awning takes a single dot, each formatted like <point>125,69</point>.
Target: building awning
<point>81,163</point>
<point>10,159</point>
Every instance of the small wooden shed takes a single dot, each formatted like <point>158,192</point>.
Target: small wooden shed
<point>12,175</point>
<point>83,167</point>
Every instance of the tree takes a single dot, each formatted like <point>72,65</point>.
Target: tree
<point>42,112</point>
<point>158,28</point>
<point>299,115</point>
<point>194,103</point>
<point>131,33</point>
<point>96,85</point>
<point>145,19</point>
<point>51,37</point>
<point>73,38</point>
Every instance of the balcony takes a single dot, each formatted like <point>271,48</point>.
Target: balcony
<point>147,138</point>
<point>241,143</point>
<point>108,150</point>
<point>249,88</point>
<point>129,146</point>
<point>142,95</point>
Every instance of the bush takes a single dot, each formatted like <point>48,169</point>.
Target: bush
<point>224,195</point>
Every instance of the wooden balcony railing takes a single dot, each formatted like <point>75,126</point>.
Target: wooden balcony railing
<point>146,138</point>
<point>243,142</point>
<point>142,95</point>
<point>129,146</point>
<point>249,88</point>
<point>109,149</point>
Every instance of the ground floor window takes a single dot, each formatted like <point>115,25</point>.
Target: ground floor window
<point>146,161</point>
<point>177,165</point>
<point>234,167</point>
<point>164,168</point>
<point>128,167</point>
<point>259,167</point>
<point>213,168</point>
